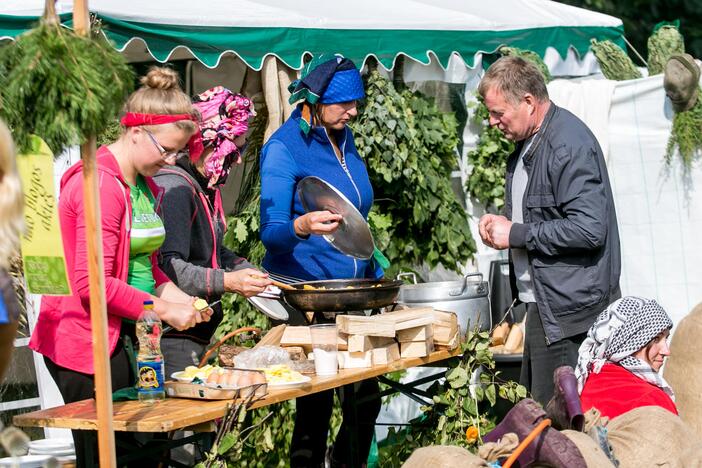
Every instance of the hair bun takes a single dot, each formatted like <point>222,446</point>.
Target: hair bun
<point>161,78</point>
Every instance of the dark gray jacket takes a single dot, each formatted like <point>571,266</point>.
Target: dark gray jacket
<point>570,225</point>
<point>192,254</point>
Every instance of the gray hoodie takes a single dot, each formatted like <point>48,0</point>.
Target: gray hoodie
<point>192,254</point>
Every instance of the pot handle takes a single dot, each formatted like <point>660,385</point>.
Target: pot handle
<point>460,292</point>
<point>407,275</point>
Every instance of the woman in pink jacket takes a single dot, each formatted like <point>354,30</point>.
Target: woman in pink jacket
<point>159,121</point>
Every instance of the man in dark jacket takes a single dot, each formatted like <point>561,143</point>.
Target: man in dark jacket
<point>560,224</point>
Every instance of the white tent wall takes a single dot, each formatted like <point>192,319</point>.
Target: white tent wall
<point>659,208</point>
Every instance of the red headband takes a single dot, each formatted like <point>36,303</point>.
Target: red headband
<point>133,119</point>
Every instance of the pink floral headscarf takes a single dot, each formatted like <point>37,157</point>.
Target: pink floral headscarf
<point>225,116</point>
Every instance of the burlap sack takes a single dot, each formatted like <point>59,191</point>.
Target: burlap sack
<point>683,371</point>
<point>443,456</point>
<point>593,455</point>
<point>652,436</point>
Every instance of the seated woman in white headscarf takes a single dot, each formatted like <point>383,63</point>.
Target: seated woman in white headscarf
<point>619,362</point>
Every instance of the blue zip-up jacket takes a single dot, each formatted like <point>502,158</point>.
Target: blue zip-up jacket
<point>287,158</point>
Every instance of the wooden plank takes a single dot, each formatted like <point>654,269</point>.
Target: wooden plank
<point>272,338</point>
<point>445,326</point>
<point>362,343</point>
<point>442,316</point>
<point>450,344</point>
<point>415,322</point>
<point>176,413</point>
<point>96,279</point>
<point>296,336</point>
<point>386,354</point>
<point>415,334</point>
<point>300,336</point>
<point>406,314</point>
<point>349,360</point>
<point>423,333</point>
<point>385,324</point>
<point>357,325</point>
<point>416,348</point>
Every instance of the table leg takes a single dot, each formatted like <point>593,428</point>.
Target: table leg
<point>351,420</point>
<point>89,454</point>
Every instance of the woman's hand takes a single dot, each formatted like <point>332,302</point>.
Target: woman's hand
<point>317,222</point>
<point>180,316</point>
<point>247,282</point>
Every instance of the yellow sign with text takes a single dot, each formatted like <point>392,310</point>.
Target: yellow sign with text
<point>42,246</point>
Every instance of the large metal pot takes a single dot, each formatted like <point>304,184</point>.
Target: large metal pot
<point>467,297</point>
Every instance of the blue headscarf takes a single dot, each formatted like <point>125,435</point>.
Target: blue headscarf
<point>327,79</point>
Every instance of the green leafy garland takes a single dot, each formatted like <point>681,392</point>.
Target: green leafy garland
<point>463,407</point>
<point>529,55</point>
<point>665,41</point>
<point>686,136</point>
<point>614,62</point>
<point>60,86</point>
<point>486,182</point>
<point>410,149</point>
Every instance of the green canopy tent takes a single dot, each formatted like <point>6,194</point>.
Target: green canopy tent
<point>420,29</point>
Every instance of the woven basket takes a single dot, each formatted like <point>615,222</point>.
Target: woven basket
<point>226,352</point>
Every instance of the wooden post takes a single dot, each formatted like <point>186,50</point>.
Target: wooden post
<point>96,274</point>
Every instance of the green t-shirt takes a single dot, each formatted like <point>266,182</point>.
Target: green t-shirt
<point>147,236</point>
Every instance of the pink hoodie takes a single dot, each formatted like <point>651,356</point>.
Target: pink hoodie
<point>63,330</point>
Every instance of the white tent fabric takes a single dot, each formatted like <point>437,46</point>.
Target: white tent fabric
<point>443,37</point>
<point>360,14</point>
<point>659,208</point>
<point>590,100</point>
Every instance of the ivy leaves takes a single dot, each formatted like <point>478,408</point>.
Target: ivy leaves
<point>462,408</point>
<point>410,148</point>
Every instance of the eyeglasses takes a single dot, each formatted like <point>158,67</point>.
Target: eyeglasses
<point>167,156</point>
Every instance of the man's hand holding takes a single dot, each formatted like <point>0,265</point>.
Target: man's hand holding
<point>494,231</point>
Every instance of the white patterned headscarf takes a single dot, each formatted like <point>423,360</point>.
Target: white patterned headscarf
<point>626,326</point>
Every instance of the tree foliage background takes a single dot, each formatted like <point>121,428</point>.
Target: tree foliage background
<point>640,16</point>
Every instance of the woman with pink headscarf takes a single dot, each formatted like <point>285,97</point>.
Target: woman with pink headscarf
<point>192,254</point>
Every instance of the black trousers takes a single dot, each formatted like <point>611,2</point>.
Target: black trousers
<point>309,440</point>
<point>76,386</point>
<point>540,359</point>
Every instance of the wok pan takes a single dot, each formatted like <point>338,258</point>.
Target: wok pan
<point>342,295</point>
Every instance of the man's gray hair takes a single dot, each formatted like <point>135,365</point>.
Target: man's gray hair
<point>514,77</point>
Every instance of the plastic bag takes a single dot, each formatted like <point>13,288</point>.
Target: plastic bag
<point>264,356</point>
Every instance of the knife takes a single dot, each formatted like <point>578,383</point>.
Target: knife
<point>168,328</point>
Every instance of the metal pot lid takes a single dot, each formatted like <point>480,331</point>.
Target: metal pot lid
<point>353,237</point>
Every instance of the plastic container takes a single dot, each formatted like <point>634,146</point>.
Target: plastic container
<point>324,346</point>
<point>150,365</point>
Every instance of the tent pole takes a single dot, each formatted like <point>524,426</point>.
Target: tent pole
<point>96,275</point>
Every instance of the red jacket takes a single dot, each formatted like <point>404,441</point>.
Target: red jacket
<point>63,331</point>
<point>615,390</point>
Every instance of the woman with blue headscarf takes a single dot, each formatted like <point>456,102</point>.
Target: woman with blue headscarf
<point>315,141</point>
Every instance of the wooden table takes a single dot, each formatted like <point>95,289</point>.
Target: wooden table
<point>173,414</point>
<point>176,413</point>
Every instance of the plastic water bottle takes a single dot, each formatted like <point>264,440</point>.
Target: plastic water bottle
<point>150,360</point>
